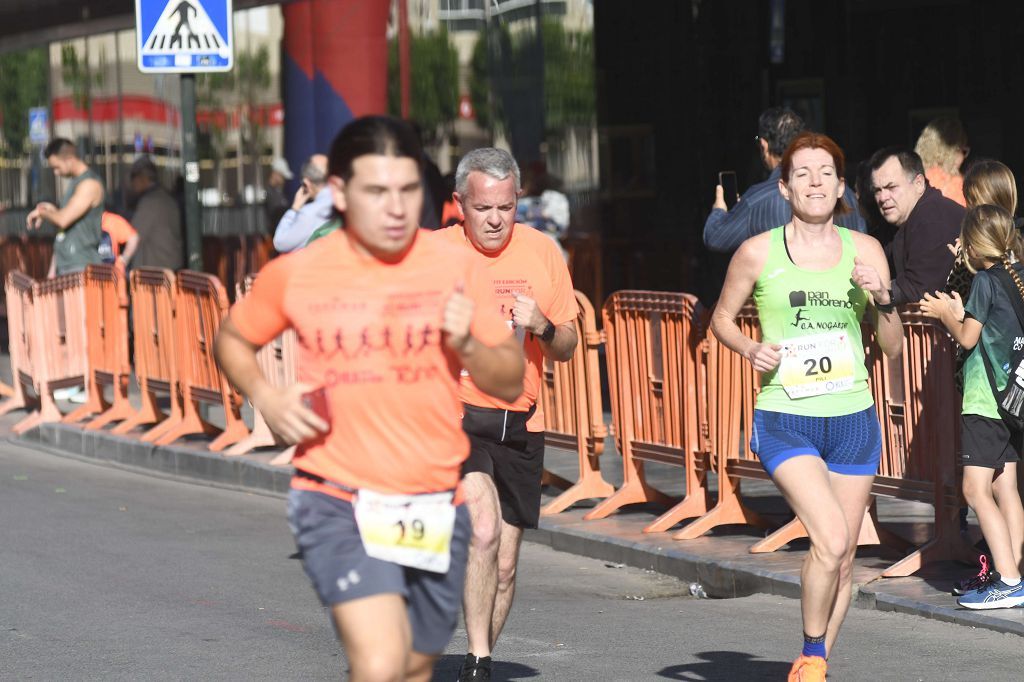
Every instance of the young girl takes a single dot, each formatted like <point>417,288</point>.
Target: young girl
<point>990,450</point>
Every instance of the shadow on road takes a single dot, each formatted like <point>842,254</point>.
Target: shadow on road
<point>727,666</point>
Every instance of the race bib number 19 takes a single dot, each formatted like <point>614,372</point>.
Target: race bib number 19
<point>816,365</point>
<point>410,530</point>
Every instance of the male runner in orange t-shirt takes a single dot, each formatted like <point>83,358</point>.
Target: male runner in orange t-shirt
<point>386,320</point>
<point>503,473</point>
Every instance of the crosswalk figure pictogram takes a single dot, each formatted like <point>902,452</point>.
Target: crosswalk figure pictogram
<point>184,35</point>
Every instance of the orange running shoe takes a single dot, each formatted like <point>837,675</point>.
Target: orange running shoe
<point>808,669</point>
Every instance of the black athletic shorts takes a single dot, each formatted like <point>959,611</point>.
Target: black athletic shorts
<point>501,447</point>
<point>987,442</point>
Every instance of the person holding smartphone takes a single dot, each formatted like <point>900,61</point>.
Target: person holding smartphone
<point>761,208</point>
<point>311,209</point>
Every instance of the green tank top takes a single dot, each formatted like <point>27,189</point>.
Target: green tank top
<point>78,245</point>
<point>816,316</point>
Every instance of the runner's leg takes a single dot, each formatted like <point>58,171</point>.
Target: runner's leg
<point>376,636</point>
<point>852,492</point>
<point>804,482</point>
<point>482,566</point>
<point>508,559</point>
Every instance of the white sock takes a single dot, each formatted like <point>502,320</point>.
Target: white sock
<point>1011,583</point>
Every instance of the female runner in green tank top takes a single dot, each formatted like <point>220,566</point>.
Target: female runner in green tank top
<point>812,282</point>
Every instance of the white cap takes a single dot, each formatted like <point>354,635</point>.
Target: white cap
<point>281,166</point>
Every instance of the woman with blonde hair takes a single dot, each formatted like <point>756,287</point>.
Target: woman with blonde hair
<point>991,182</point>
<point>942,147</point>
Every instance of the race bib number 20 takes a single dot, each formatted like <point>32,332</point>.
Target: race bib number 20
<point>816,365</point>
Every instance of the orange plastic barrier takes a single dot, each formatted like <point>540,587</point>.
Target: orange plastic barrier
<point>279,362</point>
<point>156,366</point>
<point>200,304</point>
<point>657,400</point>
<point>574,417</point>
<point>22,336</point>
<point>107,345</point>
<point>51,346</point>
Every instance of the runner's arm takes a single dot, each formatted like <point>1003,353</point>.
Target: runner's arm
<point>282,408</point>
<point>744,269</point>
<point>870,273</point>
<point>527,314</point>
<point>89,193</point>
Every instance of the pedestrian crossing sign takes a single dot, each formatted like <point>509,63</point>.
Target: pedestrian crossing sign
<point>184,36</point>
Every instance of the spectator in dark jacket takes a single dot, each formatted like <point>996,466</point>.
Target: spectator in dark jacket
<point>925,220</point>
<point>156,218</point>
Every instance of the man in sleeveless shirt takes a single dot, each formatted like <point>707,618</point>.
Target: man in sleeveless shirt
<point>506,461</point>
<point>79,217</point>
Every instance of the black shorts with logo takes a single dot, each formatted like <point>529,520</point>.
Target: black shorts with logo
<point>987,442</point>
<point>501,447</point>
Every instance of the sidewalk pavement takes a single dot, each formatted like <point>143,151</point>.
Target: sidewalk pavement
<point>718,561</point>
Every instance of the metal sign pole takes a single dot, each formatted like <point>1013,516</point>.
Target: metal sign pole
<point>193,226</point>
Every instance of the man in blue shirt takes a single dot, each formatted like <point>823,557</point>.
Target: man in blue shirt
<point>306,216</point>
<point>762,206</point>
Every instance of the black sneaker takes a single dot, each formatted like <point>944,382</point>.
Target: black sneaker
<point>976,582</point>
<point>475,669</point>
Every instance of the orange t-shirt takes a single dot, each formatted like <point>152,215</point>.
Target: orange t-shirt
<point>951,186</point>
<point>530,264</point>
<point>119,229</point>
<point>369,333</point>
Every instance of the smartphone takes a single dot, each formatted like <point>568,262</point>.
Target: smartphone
<point>316,400</point>
<point>727,179</point>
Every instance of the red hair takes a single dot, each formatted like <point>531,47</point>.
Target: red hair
<point>810,140</point>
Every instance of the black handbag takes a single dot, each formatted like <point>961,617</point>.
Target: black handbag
<point>1009,400</point>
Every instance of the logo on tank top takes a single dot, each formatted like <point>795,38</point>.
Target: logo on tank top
<point>816,299</point>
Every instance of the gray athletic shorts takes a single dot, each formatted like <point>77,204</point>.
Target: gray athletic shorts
<point>332,554</point>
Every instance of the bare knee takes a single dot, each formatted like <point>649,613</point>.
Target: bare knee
<point>377,667</point>
<point>833,551</point>
<point>506,576</point>
<point>976,492</point>
<point>482,502</point>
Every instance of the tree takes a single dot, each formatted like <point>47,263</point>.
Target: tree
<point>23,77</point>
<point>79,75</point>
<point>434,81</point>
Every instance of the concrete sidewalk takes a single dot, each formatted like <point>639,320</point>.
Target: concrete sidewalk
<point>718,561</point>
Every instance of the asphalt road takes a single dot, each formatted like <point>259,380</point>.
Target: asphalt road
<point>111,575</point>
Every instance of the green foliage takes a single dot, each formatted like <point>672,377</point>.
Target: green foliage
<point>433,81</point>
<point>22,86</point>
<point>568,74</point>
<point>79,75</point>
<point>241,87</point>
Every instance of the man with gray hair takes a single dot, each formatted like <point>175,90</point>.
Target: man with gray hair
<point>502,476</point>
<point>311,215</point>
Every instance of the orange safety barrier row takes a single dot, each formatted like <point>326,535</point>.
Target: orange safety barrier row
<point>106,309</point>
<point>279,362</point>
<point>200,305</point>
<point>47,326</point>
<point>657,400</point>
<point>573,414</point>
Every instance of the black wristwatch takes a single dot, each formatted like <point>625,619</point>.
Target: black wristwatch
<point>548,335</point>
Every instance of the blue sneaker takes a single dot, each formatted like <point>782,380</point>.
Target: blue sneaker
<point>994,595</point>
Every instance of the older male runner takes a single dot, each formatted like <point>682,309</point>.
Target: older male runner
<point>386,321</point>
<point>506,460</point>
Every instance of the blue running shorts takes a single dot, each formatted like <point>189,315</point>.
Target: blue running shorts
<point>334,559</point>
<point>850,444</point>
